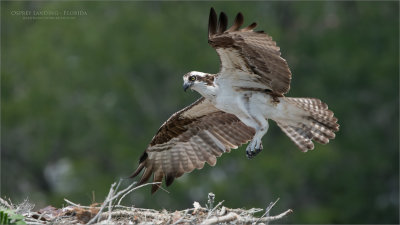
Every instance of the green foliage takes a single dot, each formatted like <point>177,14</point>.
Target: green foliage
<point>4,218</point>
<point>9,217</point>
<point>81,99</point>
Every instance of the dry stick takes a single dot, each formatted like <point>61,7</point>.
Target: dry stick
<point>29,220</point>
<point>109,209</point>
<point>41,215</point>
<point>5,203</point>
<point>33,223</point>
<point>109,199</point>
<point>94,219</point>
<point>212,210</point>
<point>243,212</point>
<point>233,216</point>
<point>128,192</point>
<point>112,196</point>
<point>76,205</point>
<point>126,213</point>
<point>272,204</point>
<point>130,189</point>
<point>97,216</point>
<point>223,211</point>
<point>182,218</point>
<point>227,218</point>
<point>270,218</point>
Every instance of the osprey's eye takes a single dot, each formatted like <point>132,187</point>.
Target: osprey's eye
<point>192,78</point>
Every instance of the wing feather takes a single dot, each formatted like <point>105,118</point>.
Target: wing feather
<point>212,23</point>
<point>190,151</point>
<point>158,176</point>
<point>222,23</point>
<point>187,159</point>
<point>237,24</point>
<point>200,133</point>
<point>228,137</point>
<point>252,56</point>
<point>146,175</point>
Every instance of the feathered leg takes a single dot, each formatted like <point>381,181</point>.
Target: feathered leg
<point>255,119</point>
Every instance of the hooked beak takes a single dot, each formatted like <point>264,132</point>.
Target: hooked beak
<point>186,85</point>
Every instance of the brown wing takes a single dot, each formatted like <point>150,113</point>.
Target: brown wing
<point>197,134</point>
<point>248,51</point>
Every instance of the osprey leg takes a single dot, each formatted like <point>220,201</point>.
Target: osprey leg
<point>255,146</point>
<point>252,117</point>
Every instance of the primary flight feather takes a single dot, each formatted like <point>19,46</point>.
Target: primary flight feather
<point>235,106</point>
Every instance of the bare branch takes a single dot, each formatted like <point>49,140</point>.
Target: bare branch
<point>272,204</point>
<point>76,205</point>
<point>219,204</point>
<point>129,191</point>
<point>243,220</point>
<point>5,203</point>
<point>109,196</point>
<point>222,219</point>
<point>277,217</point>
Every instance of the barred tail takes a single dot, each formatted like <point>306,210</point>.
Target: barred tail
<point>317,123</point>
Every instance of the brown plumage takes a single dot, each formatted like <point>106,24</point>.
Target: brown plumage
<point>197,134</point>
<point>259,52</point>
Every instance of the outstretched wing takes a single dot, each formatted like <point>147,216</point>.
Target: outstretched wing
<point>196,134</point>
<point>251,54</point>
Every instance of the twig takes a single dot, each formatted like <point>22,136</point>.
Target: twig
<point>109,208</point>
<point>182,218</point>
<point>129,191</point>
<point>41,215</point>
<point>222,212</point>
<point>5,203</point>
<point>241,220</point>
<point>222,219</point>
<point>212,210</point>
<point>24,207</point>
<point>272,218</point>
<point>97,216</point>
<point>112,196</point>
<point>126,213</point>
<point>30,220</point>
<point>250,211</point>
<point>272,204</point>
<point>76,205</point>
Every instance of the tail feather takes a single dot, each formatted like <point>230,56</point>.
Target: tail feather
<point>317,123</point>
<point>298,136</point>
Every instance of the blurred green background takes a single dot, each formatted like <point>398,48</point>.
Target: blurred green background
<point>82,97</point>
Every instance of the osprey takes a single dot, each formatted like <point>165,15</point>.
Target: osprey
<point>235,106</point>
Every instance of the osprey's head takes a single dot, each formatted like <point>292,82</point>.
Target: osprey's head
<point>198,81</point>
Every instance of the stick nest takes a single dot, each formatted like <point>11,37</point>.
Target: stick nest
<point>112,212</point>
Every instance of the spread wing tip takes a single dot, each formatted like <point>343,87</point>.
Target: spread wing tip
<point>250,27</point>
<point>217,25</point>
<point>238,23</point>
<point>212,22</point>
<point>137,171</point>
<point>222,23</point>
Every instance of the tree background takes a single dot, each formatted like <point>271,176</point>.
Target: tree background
<point>81,99</point>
